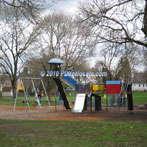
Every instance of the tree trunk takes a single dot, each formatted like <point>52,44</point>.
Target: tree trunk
<point>144,29</point>
<point>14,87</point>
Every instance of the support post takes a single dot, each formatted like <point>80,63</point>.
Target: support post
<point>45,92</point>
<point>25,95</point>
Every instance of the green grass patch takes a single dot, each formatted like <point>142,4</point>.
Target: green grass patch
<point>21,101</point>
<point>139,98</point>
<point>71,134</point>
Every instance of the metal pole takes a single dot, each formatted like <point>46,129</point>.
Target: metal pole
<point>55,97</point>
<point>15,102</point>
<point>45,92</point>
<point>25,95</point>
<point>30,78</point>
<point>34,86</point>
<point>106,102</point>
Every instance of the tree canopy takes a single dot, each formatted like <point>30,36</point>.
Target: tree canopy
<point>116,21</point>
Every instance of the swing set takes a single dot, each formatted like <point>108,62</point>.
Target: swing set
<point>22,87</point>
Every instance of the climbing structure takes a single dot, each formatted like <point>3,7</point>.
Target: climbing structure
<point>55,65</point>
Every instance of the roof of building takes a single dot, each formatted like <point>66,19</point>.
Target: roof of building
<point>55,61</point>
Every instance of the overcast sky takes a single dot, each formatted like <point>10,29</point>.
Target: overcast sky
<point>67,6</point>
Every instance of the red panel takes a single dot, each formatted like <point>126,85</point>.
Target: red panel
<point>112,89</point>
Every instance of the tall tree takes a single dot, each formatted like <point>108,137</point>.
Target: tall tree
<point>112,52</point>
<point>116,21</point>
<point>29,9</point>
<point>16,36</point>
<point>63,38</point>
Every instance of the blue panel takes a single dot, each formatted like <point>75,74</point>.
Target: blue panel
<point>70,80</point>
<point>68,90</point>
<point>113,82</point>
<point>79,87</point>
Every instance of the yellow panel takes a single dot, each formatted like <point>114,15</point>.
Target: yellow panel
<point>95,87</point>
<point>20,87</point>
<point>102,87</point>
<point>99,87</point>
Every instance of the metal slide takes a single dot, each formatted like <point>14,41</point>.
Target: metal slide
<point>79,103</point>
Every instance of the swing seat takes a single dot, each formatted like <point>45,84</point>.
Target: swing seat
<point>23,101</point>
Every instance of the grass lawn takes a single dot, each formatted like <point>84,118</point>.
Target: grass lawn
<point>44,102</point>
<point>28,133</point>
<point>20,100</point>
<point>140,98</point>
<point>72,134</point>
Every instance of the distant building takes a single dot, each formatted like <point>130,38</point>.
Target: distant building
<point>139,87</point>
<point>7,89</point>
<point>139,82</point>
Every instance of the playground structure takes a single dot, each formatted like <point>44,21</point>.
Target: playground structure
<point>116,90</point>
<point>24,89</point>
<point>55,65</point>
<point>85,92</point>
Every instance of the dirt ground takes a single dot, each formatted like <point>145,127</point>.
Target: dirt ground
<point>50,113</point>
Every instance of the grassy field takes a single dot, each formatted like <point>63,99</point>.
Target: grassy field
<point>72,134</point>
<point>20,133</point>
<point>21,101</point>
<point>139,98</point>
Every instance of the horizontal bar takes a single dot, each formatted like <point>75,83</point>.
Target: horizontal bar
<point>29,78</point>
<point>113,82</point>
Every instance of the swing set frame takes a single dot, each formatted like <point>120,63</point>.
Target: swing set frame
<point>26,97</point>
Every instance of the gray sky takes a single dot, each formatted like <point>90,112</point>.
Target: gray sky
<point>67,6</point>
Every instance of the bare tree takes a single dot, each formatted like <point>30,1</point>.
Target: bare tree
<point>145,64</point>
<point>118,61</point>
<point>29,9</point>
<point>65,39</point>
<point>16,36</point>
<point>112,52</point>
<point>121,71</point>
<point>116,21</point>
